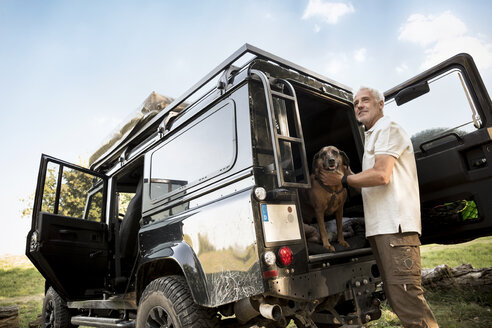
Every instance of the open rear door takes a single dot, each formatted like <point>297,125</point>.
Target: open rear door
<point>68,240</point>
<point>447,113</point>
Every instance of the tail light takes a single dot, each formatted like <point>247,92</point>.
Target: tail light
<point>269,258</point>
<point>285,256</point>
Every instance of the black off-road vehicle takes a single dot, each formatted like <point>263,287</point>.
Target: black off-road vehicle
<point>190,217</point>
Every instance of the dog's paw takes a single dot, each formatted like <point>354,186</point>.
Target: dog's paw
<point>344,243</point>
<point>329,247</point>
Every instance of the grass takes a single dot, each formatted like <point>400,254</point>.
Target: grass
<point>454,308</point>
<point>477,252</point>
<point>22,285</point>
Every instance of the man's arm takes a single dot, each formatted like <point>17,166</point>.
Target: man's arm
<point>378,175</point>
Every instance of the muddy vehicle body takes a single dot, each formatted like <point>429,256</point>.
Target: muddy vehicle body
<point>212,222</point>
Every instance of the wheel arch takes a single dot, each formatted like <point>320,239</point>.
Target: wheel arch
<point>174,259</point>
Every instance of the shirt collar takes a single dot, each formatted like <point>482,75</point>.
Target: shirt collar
<point>375,126</point>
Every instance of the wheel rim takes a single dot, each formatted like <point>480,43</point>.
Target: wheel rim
<point>159,318</point>
<point>49,315</point>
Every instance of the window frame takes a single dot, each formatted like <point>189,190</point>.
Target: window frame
<point>90,197</point>
<point>38,199</point>
<point>203,116</point>
<point>477,117</point>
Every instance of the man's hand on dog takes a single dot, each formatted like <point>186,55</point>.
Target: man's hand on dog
<point>330,178</point>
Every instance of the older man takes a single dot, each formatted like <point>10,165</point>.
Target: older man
<point>390,193</point>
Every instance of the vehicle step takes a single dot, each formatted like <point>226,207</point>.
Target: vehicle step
<point>102,322</point>
<point>332,256</point>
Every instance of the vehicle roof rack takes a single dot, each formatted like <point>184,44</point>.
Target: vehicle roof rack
<point>240,54</point>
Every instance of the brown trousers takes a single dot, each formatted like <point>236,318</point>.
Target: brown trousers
<point>398,259</point>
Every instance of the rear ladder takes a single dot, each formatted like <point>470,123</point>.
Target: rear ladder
<point>286,132</point>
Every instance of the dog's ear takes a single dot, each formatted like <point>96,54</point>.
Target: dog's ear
<point>313,165</point>
<point>345,160</point>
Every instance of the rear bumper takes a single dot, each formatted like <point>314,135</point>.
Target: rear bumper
<point>360,276</point>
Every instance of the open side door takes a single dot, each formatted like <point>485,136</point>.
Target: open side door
<point>68,240</point>
<point>447,113</point>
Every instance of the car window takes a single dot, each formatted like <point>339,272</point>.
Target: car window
<point>124,199</point>
<point>93,209</point>
<point>204,150</point>
<point>444,114</point>
<point>72,193</point>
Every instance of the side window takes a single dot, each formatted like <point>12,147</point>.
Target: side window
<point>204,150</point>
<point>124,199</point>
<point>73,193</point>
<point>442,115</point>
<point>93,208</point>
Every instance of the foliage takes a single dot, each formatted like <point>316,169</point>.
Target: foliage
<point>27,206</point>
<point>73,187</point>
<point>124,201</point>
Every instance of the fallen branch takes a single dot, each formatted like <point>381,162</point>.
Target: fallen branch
<point>9,317</point>
<point>462,276</point>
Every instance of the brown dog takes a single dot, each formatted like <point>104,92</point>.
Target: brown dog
<point>321,200</point>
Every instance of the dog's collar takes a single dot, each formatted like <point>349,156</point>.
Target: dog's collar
<point>334,193</point>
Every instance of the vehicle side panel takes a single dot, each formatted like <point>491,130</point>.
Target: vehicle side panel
<point>212,217</point>
<point>225,256</point>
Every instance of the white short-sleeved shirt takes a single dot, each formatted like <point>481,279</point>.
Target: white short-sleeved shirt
<point>397,204</point>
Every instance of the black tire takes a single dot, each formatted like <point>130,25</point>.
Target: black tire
<point>55,312</point>
<point>167,302</point>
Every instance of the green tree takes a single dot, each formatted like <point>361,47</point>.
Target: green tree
<point>74,191</point>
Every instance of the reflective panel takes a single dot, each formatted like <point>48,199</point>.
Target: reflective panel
<point>204,150</point>
<point>228,253</point>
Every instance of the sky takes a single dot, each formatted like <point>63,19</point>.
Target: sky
<point>71,71</point>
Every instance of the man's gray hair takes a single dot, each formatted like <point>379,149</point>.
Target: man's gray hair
<point>378,96</point>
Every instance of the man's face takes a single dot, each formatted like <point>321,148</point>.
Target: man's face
<point>367,109</point>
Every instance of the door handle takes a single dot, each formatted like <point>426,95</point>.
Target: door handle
<point>452,134</point>
<point>68,233</point>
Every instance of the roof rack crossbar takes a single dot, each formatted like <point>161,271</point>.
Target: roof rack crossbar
<point>242,51</point>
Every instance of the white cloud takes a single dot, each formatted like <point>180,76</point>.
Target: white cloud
<point>336,64</point>
<point>316,28</point>
<point>340,63</point>
<point>443,36</point>
<point>360,55</point>
<point>401,68</point>
<point>330,12</point>
<point>425,30</point>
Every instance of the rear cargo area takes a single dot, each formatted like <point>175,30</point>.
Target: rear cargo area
<point>328,121</point>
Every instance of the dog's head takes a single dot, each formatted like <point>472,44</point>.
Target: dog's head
<point>330,158</point>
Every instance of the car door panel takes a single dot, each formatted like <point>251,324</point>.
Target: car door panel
<point>453,165</point>
<point>69,251</point>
